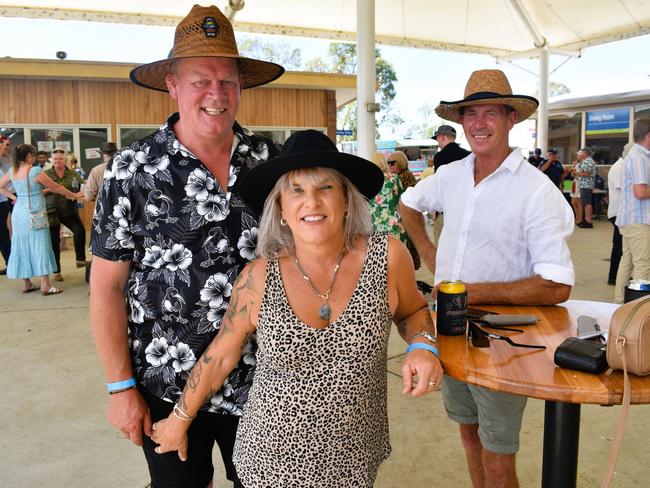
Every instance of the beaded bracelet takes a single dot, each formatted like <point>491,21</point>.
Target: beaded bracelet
<point>427,347</point>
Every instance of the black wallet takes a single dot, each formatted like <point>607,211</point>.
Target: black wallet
<point>581,355</point>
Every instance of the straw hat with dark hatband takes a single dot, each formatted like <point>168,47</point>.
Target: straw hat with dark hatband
<point>488,87</point>
<point>205,32</point>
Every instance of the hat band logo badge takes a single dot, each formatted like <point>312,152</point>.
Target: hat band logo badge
<point>210,27</point>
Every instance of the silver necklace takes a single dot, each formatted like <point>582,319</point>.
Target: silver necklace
<point>325,310</point>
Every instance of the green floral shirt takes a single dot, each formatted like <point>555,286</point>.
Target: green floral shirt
<point>384,208</point>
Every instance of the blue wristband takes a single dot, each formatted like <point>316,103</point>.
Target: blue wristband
<point>427,347</point>
<point>120,385</point>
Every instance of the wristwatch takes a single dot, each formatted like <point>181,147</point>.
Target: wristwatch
<point>426,335</point>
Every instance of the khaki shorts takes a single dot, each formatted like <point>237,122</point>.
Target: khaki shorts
<point>498,415</point>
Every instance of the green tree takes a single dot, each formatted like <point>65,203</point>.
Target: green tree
<point>343,59</point>
<point>317,65</point>
<point>555,89</point>
<point>279,52</point>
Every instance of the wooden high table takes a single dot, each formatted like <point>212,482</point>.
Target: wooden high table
<point>532,373</point>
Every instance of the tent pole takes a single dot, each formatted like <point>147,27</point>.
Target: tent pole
<point>542,110</point>
<point>365,77</point>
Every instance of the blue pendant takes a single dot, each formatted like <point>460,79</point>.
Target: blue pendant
<point>325,311</point>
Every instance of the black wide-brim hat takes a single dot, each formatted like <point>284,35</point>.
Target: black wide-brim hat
<point>488,87</point>
<point>309,149</point>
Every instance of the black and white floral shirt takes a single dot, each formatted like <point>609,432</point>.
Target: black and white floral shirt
<point>162,210</point>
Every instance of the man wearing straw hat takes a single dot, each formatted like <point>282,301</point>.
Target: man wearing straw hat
<point>170,234</point>
<point>501,240</point>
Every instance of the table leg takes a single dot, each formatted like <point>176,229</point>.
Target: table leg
<point>561,436</point>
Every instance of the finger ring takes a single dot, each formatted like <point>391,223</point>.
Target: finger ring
<point>153,426</point>
<point>431,383</point>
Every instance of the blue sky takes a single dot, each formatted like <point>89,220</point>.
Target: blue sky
<point>425,76</point>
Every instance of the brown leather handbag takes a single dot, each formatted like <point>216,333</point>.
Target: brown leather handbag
<point>628,348</point>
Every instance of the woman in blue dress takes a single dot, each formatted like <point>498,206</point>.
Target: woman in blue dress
<point>31,249</point>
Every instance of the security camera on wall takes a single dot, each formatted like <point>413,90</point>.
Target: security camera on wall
<point>61,55</point>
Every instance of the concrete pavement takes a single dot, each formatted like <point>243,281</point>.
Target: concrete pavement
<point>55,432</point>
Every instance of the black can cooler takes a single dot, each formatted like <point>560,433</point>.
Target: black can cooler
<point>451,308</point>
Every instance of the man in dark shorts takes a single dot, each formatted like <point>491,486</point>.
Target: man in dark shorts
<point>585,174</point>
<point>501,240</point>
<point>170,235</point>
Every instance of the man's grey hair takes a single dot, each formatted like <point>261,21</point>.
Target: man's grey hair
<point>275,240</point>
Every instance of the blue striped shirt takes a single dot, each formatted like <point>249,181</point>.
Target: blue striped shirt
<point>636,171</point>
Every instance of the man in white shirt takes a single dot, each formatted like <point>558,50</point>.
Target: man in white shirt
<point>614,177</point>
<point>505,235</point>
<point>633,217</point>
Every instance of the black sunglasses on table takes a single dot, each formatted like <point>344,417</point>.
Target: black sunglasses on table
<point>481,338</point>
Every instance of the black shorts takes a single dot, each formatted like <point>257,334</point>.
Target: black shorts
<point>168,471</point>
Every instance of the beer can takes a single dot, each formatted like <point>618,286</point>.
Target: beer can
<point>451,312</point>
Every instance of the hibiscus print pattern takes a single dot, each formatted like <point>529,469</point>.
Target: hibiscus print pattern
<point>167,357</point>
<point>186,240</point>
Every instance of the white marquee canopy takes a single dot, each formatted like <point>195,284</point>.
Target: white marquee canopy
<point>478,26</point>
<point>506,29</point>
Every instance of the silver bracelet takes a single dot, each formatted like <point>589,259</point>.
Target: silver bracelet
<point>429,337</point>
<point>178,412</point>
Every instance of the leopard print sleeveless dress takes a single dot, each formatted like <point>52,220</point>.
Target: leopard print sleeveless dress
<point>316,413</point>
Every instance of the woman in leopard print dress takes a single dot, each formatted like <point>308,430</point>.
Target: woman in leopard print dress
<point>320,299</point>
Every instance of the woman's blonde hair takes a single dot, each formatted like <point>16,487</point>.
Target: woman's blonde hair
<point>275,240</point>
<point>71,157</point>
<point>380,160</point>
<point>400,158</point>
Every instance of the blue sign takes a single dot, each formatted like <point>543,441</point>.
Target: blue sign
<point>613,121</point>
<point>386,145</point>
<point>343,132</point>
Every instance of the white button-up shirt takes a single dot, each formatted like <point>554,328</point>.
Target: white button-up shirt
<point>513,225</point>
<point>614,187</point>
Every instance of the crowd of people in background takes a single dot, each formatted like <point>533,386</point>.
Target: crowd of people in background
<point>53,188</point>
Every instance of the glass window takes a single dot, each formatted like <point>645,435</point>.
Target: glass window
<point>564,135</point>
<point>49,139</point>
<point>606,148</point>
<point>275,135</point>
<point>130,134</point>
<point>89,141</point>
<point>16,136</point>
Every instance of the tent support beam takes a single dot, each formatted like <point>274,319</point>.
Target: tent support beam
<point>534,53</point>
<point>542,46</point>
<point>365,78</point>
<point>542,110</point>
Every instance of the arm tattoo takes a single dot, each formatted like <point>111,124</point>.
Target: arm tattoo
<point>245,292</point>
<point>195,376</point>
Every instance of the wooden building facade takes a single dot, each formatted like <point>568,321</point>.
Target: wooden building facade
<point>79,105</point>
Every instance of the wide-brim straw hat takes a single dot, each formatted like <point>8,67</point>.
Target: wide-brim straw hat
<point>488,87</point>
<point>205,32</point>
<point>309,149</point>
